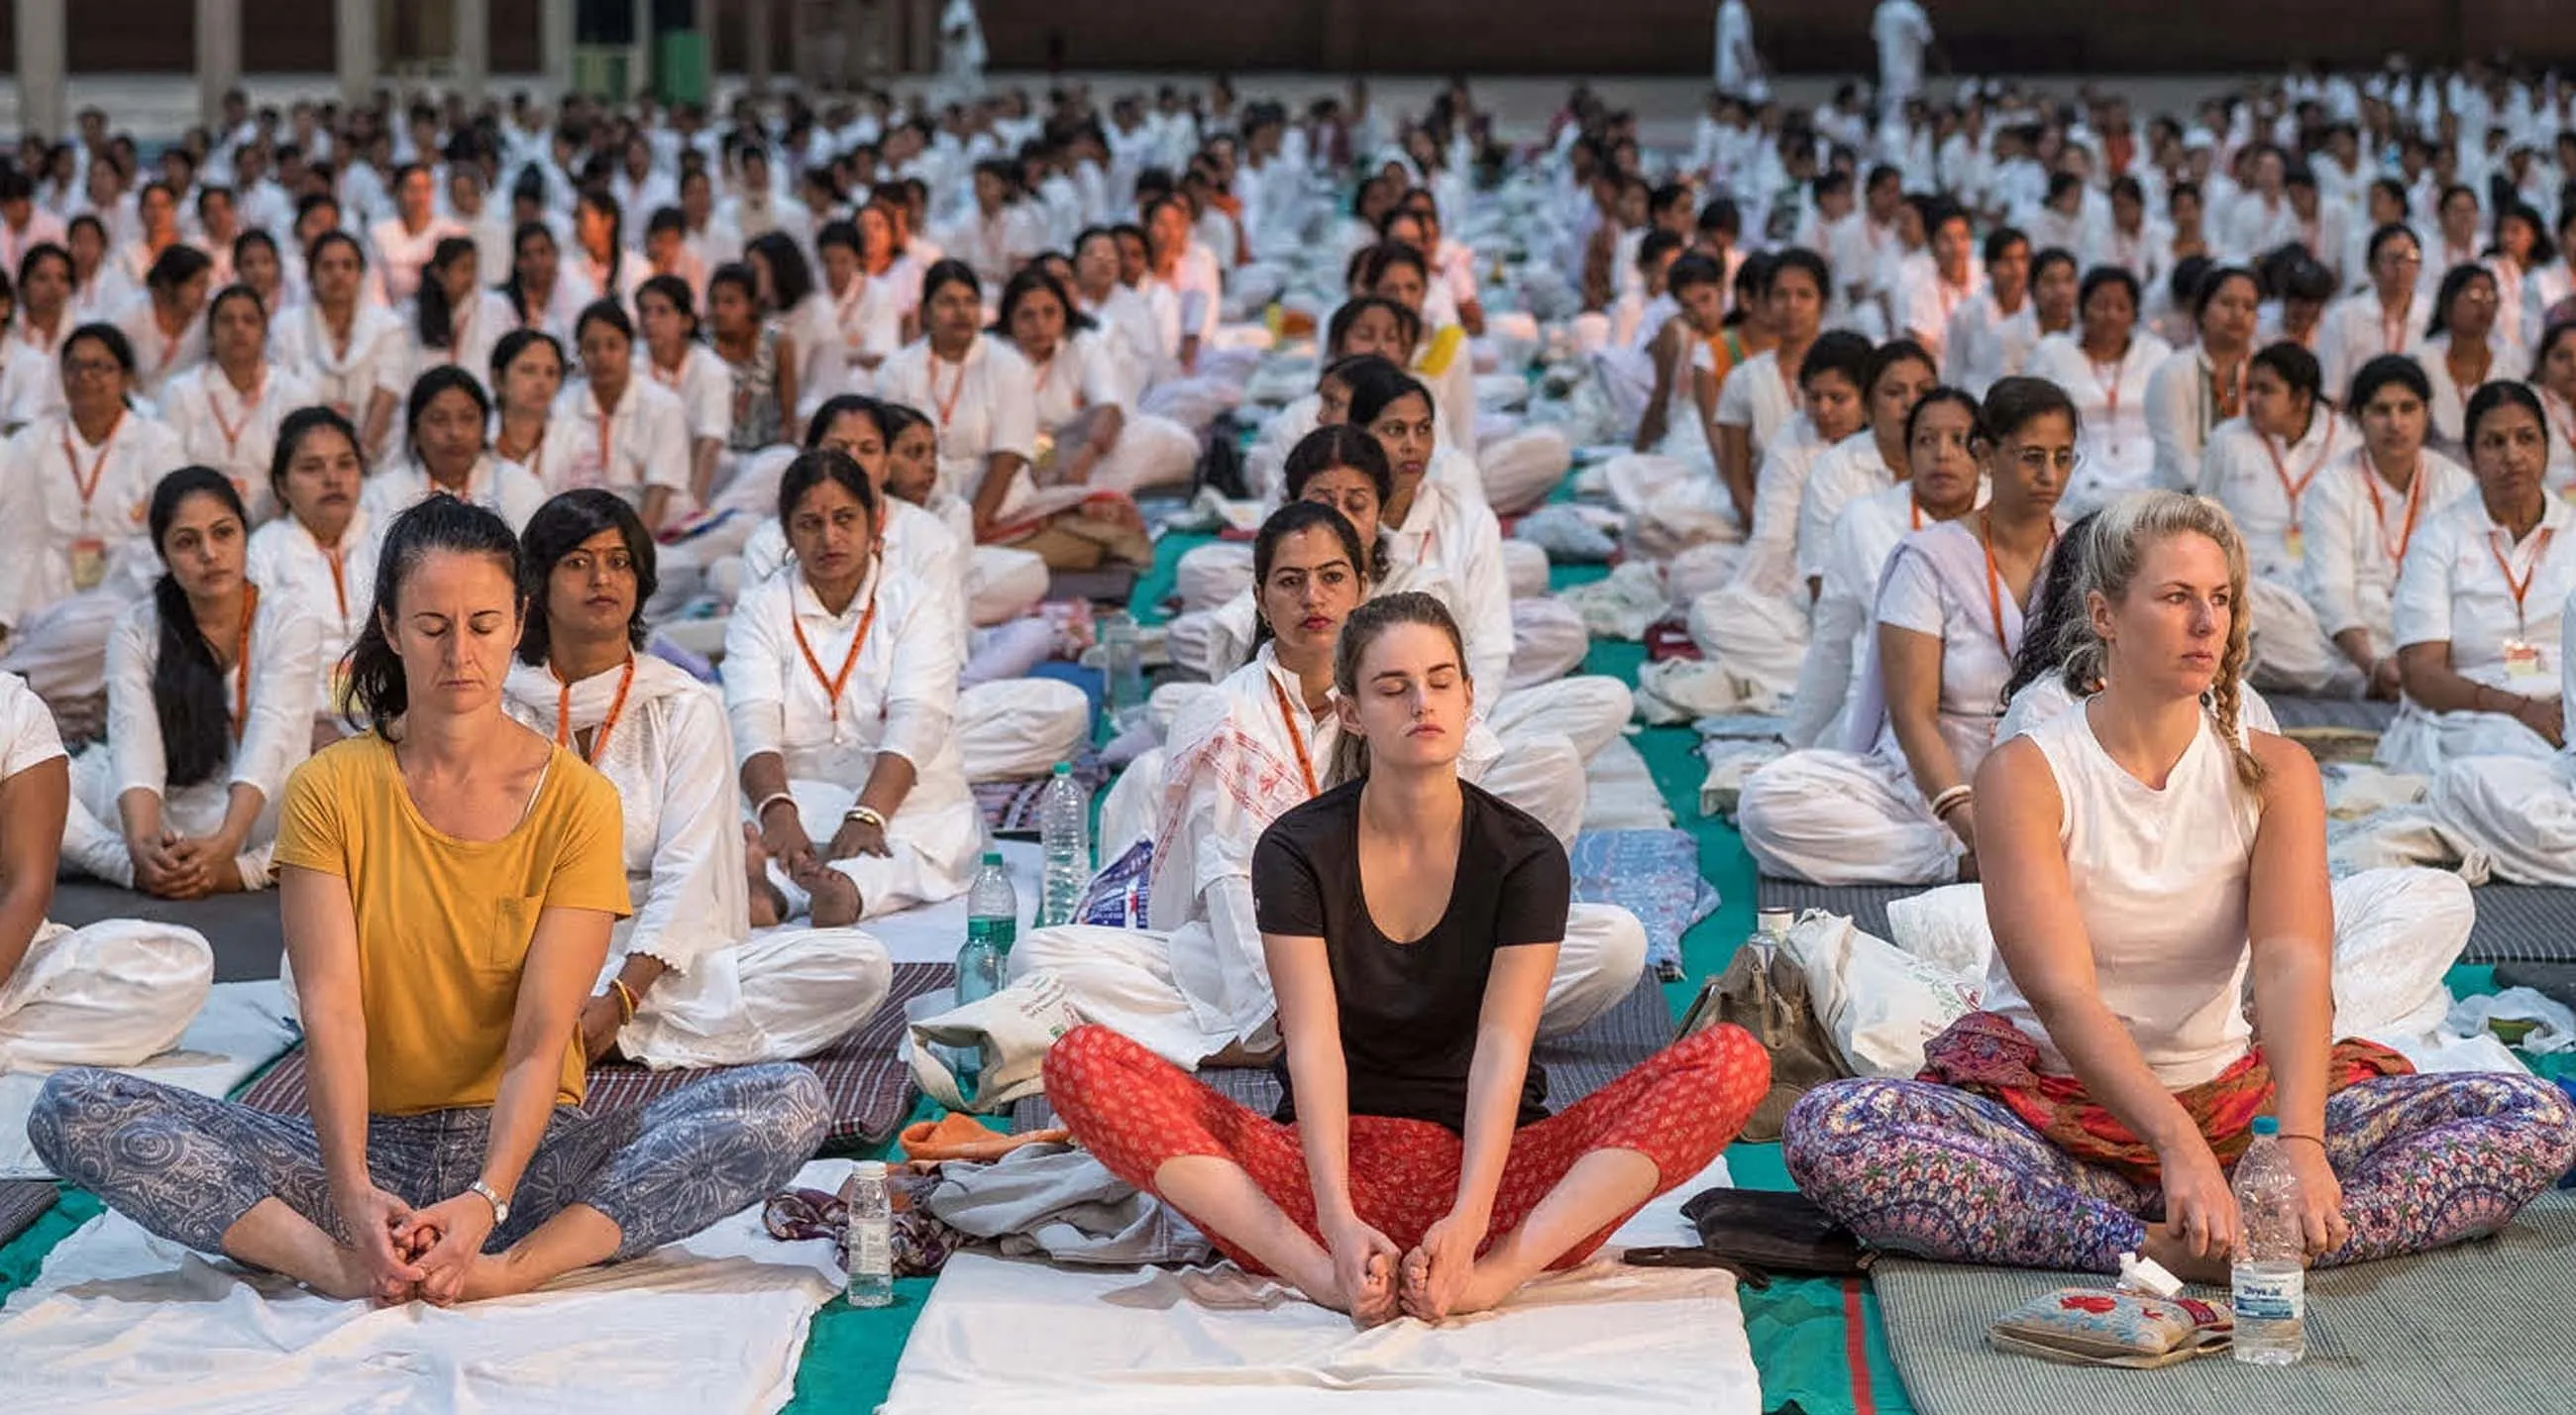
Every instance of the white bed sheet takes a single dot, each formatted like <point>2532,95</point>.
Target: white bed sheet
<point>241,1028</point>
<point>121,1323</point>
<point>1006,1335</point>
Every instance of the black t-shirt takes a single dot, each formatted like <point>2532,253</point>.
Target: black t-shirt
<point>1409,1010</point>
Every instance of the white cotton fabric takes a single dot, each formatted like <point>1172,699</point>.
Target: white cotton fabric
<point>2119,450</point>
<point>642,442</point>
<point>702,383</point>
<point>730,998</point>
<point>1004,1334</point>
<point>2357,329</point>
<point>2355,524</point>
<point>506,489</point>
<point>134,996</point>
<point>1844,473</point>
<point>347,375</point>
<point>42,513</point>
<point>202,406</point>
<point>991,402</point>
<point>714,1323</point>
<point>2160,881</point>
<point>900,698</point>
<point>2453,591</point>
<point>1759,396</point>
<point>285,561</point>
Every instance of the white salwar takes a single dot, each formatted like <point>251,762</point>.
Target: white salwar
<point>731,997</point>
<point>2119,448</point>
<point>337,590</point>
<point>112,994</point>
<point>2264,486</point>
<point>1195,982</point>
<point>1151,452</point>
<point>2453,590</point>
<point>1856,815</point>
<point>2519,813</point>
<point>277,682</point>
<point>217,427</point>
<point>901,698</point>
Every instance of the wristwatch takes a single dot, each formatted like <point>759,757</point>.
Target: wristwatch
<point>500,1206</point>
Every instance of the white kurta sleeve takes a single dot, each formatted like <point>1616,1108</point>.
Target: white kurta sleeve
<point>755,662</point>
<point>921,680</point>
<point>697,901</point>
<point>285,677</point>
<point>708,393</point>
<point>1735,397</point>
<point>1486,613</point>
<point>2330,521</point>
<point>2421,607</point>
<point>22,526</point>
<point>1013,392</point>
<point>664,427</point>
<point>2173,421</point>
<point>137,757</point>
<point>1223,830</point>
<point>1909,594</point>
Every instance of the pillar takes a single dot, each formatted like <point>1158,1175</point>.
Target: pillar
<point>219,56</point>
<point>921,38</point>
<point>354,34</point>
<point>640,67</point>
<point>554,46</point>
<point>44,98</point>
<point>703,16</point>
<point>473,49</point>
<point>755,39</point>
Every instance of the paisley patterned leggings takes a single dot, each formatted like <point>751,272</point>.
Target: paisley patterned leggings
<point>1938,1172</point>
<point>187,1167</point>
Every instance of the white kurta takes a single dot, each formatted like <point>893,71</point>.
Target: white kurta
<point>1443,536</point>
<point>2264,486</point>
<point>47,520</point>
<point>337,590</point>
<point>704,386</point>
<point>2119,449</point>
<point>1759,396</point>
<point>347,374</point>
<point>900,697</point>
<point>2182,411</point>
<point>472,334</point>
<point>2457,588</point>
<point>731,998</point>
<point>159,357</point>
<point>1843,473</point>
<point>220,428</point>
<point>1985,344</point>
<point>504,488</point>
<point>2357,329</point>
<point>276,684</point>
<point>112,994</point>
<point>2358,529</point>
<point>642,442</point>
<point>983,406</point>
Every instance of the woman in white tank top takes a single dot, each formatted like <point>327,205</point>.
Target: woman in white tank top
<point>2132,846</point>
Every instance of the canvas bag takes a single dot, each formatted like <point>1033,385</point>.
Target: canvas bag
<point>1764,991</point>
<point>1015,1027</point>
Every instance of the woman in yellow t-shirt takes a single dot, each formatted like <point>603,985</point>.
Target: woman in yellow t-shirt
<point>447,883</point>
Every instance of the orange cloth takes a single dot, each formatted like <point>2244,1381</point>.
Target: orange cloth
<point>962,1137</point>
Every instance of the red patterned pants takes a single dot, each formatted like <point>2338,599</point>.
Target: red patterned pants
<point>1135,1111</point>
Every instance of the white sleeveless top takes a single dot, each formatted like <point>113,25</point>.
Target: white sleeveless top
<point>2160,878</point>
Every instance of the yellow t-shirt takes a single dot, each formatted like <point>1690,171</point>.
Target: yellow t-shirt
<point>444,924</point>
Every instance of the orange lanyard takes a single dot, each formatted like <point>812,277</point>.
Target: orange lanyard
<point>2293,490</point>
<point>2225,403</point>
<point>1995,576</point>
<point>87,485</point>
<point>2392,332</point>
<point>616,709</point>
<point>250,408</point>
<point>2379,509</point>
<point>1288,719</point>
<point>335,557</point>
<point>947,406</point>
<point>607,435</point>
<point>832,685</point>
<point>1914,508</point>
<point>241,661</point>
<point>2519,589</point>
<point>2110,384</point>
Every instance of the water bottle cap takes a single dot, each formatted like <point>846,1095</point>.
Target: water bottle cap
<point>870,1169</point>
<point>2266,1125</point>
<point>992,857</point>
<point>1064,768</point>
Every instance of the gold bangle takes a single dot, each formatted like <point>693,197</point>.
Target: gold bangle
<point>627,1001</point>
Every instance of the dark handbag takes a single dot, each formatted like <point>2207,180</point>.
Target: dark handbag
<point>1757,1234</point>
<point>1764,991</point>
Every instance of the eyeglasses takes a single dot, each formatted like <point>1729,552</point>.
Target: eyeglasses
<point>2037,460</point>
<point>92,368</point>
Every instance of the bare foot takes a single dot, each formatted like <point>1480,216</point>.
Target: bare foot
<point>492,1275</point>
<point>1376,1304</point>
<point>1488,1284</point>
<point>2174,1252</point>
<point>1413,1287</point>
<point>768,905</point>
<point>347,1279</point>
<point>1313,1276</point>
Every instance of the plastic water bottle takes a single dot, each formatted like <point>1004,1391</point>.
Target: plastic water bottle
<point>1122,663</point>
<point>1770,935</point>
<point>868,1247</point>
<point>992,926</point>
<point>1064,836</point>
<point>2270,1277</point>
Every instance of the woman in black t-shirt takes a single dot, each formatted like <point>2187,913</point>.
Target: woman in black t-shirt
<point>1410,923</point>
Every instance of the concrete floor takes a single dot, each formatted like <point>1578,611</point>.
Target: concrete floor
<point>156,108</point>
